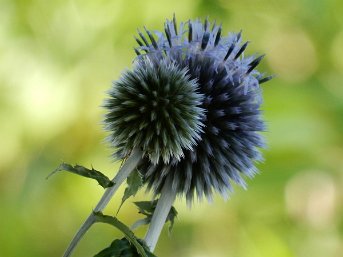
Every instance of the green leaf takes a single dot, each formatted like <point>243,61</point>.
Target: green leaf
<point>140,249</point>
<point>115,249</point>
<point>134,183</point>
<point>147,208</point>
<point>123,248</point>
<point>103,181</point>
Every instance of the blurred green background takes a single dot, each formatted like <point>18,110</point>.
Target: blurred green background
<point>57,59</point>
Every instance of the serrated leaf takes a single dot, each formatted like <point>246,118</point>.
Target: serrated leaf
<point>134,183</point>
<point>115,249</point>
<point>147,208</point>
<point>103,180</point>
<point>123,248</point>
<point>140,247</point>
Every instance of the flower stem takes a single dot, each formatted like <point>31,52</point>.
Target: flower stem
<point>160,215</point>
<point>123,173</point>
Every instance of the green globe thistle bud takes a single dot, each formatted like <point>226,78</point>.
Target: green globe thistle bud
<point>154,108</point>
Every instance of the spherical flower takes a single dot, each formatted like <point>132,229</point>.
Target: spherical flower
<point>155,108</point>
<point>230,141</point>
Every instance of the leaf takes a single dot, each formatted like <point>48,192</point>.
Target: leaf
<point>138,247</point>
<point>134,183</point>
<point>103,180</point>
<point>147,208</point>
<point>115,249</point>
<point>123,248</point>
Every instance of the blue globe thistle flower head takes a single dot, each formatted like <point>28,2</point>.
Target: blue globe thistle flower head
<point>156,108</point>
<point>229,81</point>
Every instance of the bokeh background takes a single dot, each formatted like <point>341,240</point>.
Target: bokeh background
<point>57,59</point>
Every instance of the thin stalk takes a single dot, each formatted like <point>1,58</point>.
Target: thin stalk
<point>160,215</point>
<point>130,164</point>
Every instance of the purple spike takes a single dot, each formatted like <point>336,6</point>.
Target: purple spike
<point>239,35</point>
<point>175,24</point>
<point>167,31</point>
<point>219,32</point>
<point>241,50</point>
<point>151,39</point>
<point>206,24</point>
<point>143,38</point>
<point>190,32</point>
<point>229,51</point>
<point>139,42</point>
<point>137,52</point>
<point>264,80</point>
<point>254,63</point>
<point>205,39</point>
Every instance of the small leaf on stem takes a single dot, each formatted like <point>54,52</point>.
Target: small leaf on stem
<point>103,180</point>
<point>134,183</point>
<point>147,208</point>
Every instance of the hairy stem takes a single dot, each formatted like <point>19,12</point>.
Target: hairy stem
<point>123,173</point>
<point>160,215</point>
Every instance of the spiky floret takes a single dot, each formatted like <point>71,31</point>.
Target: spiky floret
<point>154,107</point>
<point>231,139</point>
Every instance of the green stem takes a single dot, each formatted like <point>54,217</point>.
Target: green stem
<point>160,215</point>
<point>122,174</point>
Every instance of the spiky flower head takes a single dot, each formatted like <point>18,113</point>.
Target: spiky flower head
<point>230,142</point>
<point>155,108</point>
